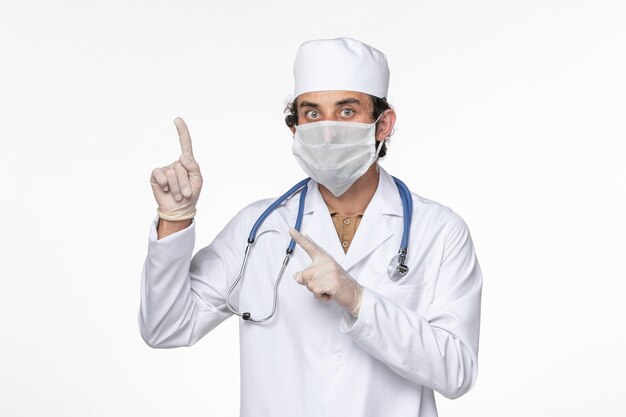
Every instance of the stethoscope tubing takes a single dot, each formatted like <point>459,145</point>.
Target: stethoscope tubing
<point>277,203</point>
<point>407,211</point>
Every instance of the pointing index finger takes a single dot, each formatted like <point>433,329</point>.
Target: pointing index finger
<point>305,243</point>
<point>185,138</point>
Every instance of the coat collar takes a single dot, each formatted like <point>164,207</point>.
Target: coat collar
<point>373,229</point>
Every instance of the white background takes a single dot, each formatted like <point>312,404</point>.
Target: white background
<point>509,112</point>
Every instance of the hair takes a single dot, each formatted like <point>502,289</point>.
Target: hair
<point>379,105</point>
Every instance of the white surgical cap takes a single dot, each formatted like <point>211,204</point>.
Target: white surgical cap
<point>340,64</point>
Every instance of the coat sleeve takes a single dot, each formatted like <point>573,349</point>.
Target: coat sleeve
<point>438,350</point>
<point>182,298</point>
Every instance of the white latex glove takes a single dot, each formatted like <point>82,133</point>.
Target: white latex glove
<point>176,187</point>
<point>326,278</point>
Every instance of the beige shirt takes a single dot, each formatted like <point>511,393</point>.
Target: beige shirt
<point>346,227</point>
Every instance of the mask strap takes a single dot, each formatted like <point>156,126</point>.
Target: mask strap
<point>380,145</point>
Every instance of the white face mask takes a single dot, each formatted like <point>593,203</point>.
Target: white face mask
<point>335,154</point>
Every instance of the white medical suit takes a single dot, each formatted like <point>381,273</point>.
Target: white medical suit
<point>312,359</point>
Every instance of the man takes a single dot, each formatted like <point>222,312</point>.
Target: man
<point>349,337</point>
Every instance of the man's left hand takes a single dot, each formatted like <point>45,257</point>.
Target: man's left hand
<point>325,278</point>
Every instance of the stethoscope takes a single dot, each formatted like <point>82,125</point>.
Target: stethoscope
<point>397,266</point>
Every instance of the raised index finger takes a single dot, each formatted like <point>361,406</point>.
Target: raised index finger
<point>305,243</point>
<point>185,138</point>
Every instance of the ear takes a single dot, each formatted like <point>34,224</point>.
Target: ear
<point>385,124</point>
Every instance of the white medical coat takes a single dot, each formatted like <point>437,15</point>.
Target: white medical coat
<point>412,337</point>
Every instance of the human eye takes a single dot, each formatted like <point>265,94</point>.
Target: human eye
<point>312,114</point>
<point>347,112</point>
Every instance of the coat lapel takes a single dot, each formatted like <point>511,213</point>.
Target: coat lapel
<point>319,225</point>
<point>374,228</point>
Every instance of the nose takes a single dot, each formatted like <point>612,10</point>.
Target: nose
<point>327,134</point>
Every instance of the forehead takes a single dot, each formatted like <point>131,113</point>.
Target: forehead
<point>332,97</point>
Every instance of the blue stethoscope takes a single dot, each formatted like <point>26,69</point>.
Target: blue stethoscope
<point>397,267</point>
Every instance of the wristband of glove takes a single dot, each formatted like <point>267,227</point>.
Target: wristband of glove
<point>357,307</point>
<point>176,216</point>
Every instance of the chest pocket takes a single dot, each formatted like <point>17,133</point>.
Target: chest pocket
<point>412,296</point>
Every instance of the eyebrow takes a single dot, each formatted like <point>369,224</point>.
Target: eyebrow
<point>347,101</point>
<point>350,100</point>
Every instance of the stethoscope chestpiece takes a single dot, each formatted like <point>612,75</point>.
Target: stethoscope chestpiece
<point>397,266</point>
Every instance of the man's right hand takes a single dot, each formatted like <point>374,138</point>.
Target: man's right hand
<point>176,187</point>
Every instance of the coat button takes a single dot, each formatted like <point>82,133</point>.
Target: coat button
<point>339,356</point>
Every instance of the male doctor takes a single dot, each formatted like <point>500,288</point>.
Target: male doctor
<point>346,339</point>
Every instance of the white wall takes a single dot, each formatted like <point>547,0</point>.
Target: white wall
<point>511,113</point>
